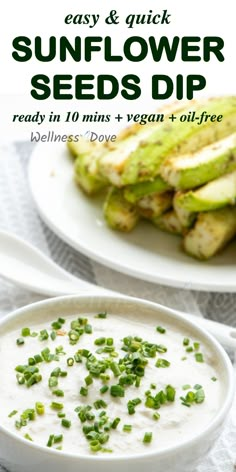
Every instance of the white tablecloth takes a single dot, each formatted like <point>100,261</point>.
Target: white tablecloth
<point>18,215</point>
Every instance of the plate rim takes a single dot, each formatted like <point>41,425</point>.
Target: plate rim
<point>122,269</point>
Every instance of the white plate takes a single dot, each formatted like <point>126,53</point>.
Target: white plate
<point>146,253</point>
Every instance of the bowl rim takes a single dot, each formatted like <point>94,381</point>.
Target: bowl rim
<point>178,448</point>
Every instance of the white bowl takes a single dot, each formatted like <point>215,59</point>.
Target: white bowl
<point>20,455</point>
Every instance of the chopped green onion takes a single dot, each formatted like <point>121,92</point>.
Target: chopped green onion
<point>53,335</point>
<point>115,423</point>
<point>99,404</point>
<point>160,329</point>
<point>39,407</point>
<point>38,358</point>
<point>199,357</point>
<point>147,438</point>
<point>20,342</point>
<point>132,404</point>
<point>104,389</point>
<point>115,369</point>
<point>83,391</point>
<point>88,380</point>
<point>170,393</point>
<point>57,406</point>
<point>189,349</point>
<point>197,387</point>
<point>101,315</point>
<point>200,396</point>
<point>104,377</point>
<point>214,379</point>
<point>20,379</point>
<point>58,393</point>
<point>99,341</point>
<point>162,363</point>
<point>156,416</point>
<point>52,382</point>
<point>35,378</point>
<point>25,332</point>
<point>77,357</point>
<point>50,440</point>
<point>66,423</point>
<point>88,329</point>
<point>160,348</point>
<point>70,361</point>
<point>61,415</point>
<point>58,438</point>
<point>43,335</point>
<point>117,391</point>
<point>95,445</point>
<point>186,387</point>
<point>196,346</point>
<point>14,412</point>
<point>137,381</point>
<point>127,428</point>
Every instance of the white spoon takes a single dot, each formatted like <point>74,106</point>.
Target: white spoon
<point>25,265</point>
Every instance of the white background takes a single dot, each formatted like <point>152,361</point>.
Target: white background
<point>46,18</point>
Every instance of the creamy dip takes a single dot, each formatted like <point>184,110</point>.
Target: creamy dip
<point>168,387</point>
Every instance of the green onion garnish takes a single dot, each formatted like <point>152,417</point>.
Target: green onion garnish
<point>70,361</point>
<point>156,416</point>
<point>43,335</point>
<point>170,393</point>
<point>52,382</point>
<point>88,329</point>
<point>88,380</point>
<point>58,393</point>
<point>57,406</point>
<point>58,438</point>
<point>199,357</point>
<point>115,369</point>
<point>127,428</point>
<point>101,315</point>
<point>186,341</point>
<point>162,363</point>
<point>160,329</point>
<point>115,423</point>
<point>83,391</point>
<point>104,389</point>
<point>200,396</point>
<point>99,404</point>
<point>39,407</point>
<point>25,332</point>
<point>65,423</point>
<point>20,342</point>
<point>53,335</point>
<point>27,436</point>
<point>99,341</point>
<point>189,349</point>
<point>14,412</point>
<point>95,445</point>
<point>117,391</point>
<point>214,379</point>
<point>147,438</point>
